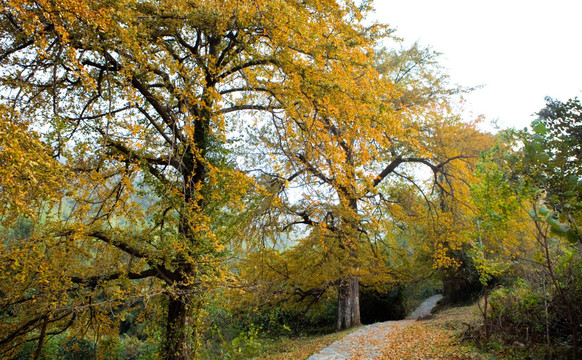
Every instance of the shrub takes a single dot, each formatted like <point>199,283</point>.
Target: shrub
<point>536,313</point>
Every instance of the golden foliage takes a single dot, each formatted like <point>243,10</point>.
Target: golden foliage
<point>139,100</point>
<point>29,176</point>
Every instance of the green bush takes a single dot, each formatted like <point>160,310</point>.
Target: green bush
<point>536,313</point>
<point>518,313</point>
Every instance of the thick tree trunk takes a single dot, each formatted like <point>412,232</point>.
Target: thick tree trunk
<point>348,310</point>
<point>179,329</point>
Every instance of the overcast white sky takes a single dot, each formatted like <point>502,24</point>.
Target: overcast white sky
<point>521,51</point>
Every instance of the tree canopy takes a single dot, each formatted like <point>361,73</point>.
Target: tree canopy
<point>136,103</point>
<point>156,154</point>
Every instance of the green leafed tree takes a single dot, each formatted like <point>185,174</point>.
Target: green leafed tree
<point>554,153</point>
<point>527,206</point>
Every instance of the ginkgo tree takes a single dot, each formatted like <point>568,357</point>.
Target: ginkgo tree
<point>136,101</point>
<point>432,212</point>
<point>331,175</point>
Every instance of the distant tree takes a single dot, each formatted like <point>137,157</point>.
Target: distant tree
<point>332,177</point>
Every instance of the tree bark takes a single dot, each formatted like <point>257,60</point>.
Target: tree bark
<point>179,329</point>
<point>41,339</point>
<point>348,310</point>
<point>485,305</point>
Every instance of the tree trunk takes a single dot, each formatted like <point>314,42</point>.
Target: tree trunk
<point>348,310</point>
<point>41,339</point>
<point>179,329</point>
<point>485,319</point>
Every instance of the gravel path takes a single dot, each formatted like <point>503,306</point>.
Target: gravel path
<point>369,338</point>
<point>425,308</point>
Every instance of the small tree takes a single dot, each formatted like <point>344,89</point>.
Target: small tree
<point>552,166</point>
<point>498,217</point>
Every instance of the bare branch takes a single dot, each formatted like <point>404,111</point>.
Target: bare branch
<point>249,107</point>
<point>245,66</point>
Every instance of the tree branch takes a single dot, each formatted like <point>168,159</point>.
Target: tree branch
<point>249,107</point>
<point>313,170</point>
<point>94,280</point>
<point>244,66</point>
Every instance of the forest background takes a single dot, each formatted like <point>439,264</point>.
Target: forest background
<point>181,179</point>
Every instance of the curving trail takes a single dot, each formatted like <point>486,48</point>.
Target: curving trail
<point>425,308</point>
<point>365,342</point>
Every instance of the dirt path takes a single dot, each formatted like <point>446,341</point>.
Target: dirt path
<point>365,342</point>
<point>425,308</point>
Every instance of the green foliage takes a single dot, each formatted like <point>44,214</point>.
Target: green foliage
<point>462,284</point>
<point>63,346</point>
<point>247,342</point>
<point>553,164</point>
<point>519,310</point>
<point>526,201</point>
<point>531,312</point>
<point>500,223</point>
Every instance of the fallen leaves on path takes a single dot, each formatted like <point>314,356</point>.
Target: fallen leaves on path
<point>419,342</point>
<point>300,348</point>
